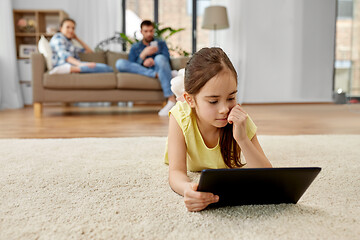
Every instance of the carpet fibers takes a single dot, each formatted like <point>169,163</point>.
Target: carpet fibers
<point>116,188</point>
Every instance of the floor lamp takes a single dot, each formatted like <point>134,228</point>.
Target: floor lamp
<point>215,17</point>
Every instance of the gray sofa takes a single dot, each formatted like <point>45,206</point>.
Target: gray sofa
<point>94,87</point>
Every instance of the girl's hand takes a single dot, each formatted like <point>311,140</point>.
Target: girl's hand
<point>237,117</point>
<point>197,201</point>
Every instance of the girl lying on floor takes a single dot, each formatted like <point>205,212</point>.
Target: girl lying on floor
<point>208,129</point>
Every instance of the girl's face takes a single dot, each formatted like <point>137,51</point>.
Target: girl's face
<point>215,99</point>
<point>68,29</point>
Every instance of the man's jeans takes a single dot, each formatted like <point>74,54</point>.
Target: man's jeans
<point>99,68</point>
<point>162,68</point>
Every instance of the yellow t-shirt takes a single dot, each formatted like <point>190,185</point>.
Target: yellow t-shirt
<point>199,156</point>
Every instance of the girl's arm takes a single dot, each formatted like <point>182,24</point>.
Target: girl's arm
<point>87,48</point>
<point>73,61</point>
<point>253,153</point>
<point>178,179</point>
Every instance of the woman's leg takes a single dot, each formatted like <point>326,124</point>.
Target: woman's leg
<point>62,69</point>
<point>99,68</point>
<point>74,69</point>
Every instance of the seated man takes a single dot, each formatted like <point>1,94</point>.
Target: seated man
<point>151,58</point>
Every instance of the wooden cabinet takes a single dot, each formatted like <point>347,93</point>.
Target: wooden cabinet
<point>25,76</point>
<point>29,25</point>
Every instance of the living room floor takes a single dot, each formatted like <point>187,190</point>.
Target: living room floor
<point>60,121</point>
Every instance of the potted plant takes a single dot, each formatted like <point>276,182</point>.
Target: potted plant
<point>160,33</point>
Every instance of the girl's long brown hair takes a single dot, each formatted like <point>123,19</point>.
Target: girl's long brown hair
<point>203,66</point>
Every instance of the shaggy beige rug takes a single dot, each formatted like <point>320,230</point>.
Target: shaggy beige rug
<point>116,188</point>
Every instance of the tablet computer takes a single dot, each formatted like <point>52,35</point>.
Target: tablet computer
<point>247,186</point>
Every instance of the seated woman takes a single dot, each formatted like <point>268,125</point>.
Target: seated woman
<point>66,55</point>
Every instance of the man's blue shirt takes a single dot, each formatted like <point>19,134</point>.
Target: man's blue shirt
<point>137,48</point>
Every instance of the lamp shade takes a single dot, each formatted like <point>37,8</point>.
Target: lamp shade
<point>215,17</point>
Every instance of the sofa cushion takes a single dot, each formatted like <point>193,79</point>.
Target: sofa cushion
<point>178,62</point>
<point>80,81</point>
<point>112,57</point>
<point>45,49</point>
<point>98,57</point>
<point>136,81</point>
<point>175,62</point>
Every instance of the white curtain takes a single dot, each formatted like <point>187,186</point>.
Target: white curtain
<point>96,20</point>
<point>10,93</point>
<point>283,50</point>
<point>231,40</point>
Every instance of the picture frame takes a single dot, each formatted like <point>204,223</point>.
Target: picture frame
<point>25,50</point>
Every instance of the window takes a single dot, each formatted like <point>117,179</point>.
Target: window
<point>347,54</point>
<point>174,14</point>
<point>345,9</point>
<point>203,35</point>
<point>171,13</point>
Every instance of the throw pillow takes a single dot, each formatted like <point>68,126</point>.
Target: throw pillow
<point>45,49</point>
<point>178,62</point>
<point>112,57</point>
<point>177,85</point>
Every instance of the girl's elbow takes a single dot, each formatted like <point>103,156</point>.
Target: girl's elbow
<point>171,178</point>
<point>268,165</point>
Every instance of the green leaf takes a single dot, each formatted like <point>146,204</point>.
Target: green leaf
<point>126,38</point>
<point>173,31</point>
<point>160,33</point>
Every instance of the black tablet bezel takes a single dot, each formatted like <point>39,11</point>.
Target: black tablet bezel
<point>244,186</point>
